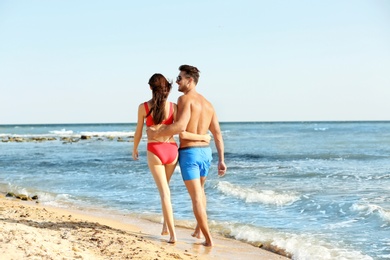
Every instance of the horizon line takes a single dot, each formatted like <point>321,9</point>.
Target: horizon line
<point>221,122</point>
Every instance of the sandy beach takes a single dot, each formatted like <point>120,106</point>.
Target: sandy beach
<point>29,230</point>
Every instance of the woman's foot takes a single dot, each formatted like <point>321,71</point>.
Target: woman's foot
<point>164,230</point>
<point>172,240</point>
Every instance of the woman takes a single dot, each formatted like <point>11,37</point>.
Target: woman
<point>162,152</point>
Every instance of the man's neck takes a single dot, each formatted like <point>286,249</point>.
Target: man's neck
<point>190,90</point>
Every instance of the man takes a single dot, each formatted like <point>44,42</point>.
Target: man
<point>195,115</point>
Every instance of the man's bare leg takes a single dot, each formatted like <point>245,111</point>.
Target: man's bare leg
<point>197,232</point>
<point>197,195</point>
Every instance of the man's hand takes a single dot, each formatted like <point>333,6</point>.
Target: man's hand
<point>221,169</point>
<point>151,132</point>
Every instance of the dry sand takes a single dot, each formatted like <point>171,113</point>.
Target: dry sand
<point>32,231</point>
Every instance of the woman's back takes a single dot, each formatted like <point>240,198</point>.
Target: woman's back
<point>170,111</point>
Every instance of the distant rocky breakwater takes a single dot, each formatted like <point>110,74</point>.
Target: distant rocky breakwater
<point>64,139</point>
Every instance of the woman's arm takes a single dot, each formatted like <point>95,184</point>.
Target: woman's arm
<point>195,137</point>
<point>138,131</point>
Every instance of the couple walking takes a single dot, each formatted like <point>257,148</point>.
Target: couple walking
<point>191,118</point>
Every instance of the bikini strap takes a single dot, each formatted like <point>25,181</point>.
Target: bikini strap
<point>149,119</point>
<point>146,107</point>
<point>170,110</point>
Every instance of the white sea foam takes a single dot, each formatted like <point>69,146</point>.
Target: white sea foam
<point>321,128</point>
<point>15,189</point>
<point>71,133</point>
<point>300,246</point>
<point>259,196</point>
<point>61,132</point>
<point>47,198</point>
<point>342,224</point>
<point>372,209</point>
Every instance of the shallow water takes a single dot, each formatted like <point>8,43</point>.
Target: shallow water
<point>318,190</point>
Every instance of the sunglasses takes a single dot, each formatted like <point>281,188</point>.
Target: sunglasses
<point>179,78</point>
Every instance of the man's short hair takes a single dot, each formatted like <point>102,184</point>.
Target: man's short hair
<point>191,71</point>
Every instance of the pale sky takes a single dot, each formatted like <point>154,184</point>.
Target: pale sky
<point>90,61</point>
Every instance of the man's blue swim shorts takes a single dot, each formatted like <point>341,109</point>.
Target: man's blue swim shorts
<point>195,162</point>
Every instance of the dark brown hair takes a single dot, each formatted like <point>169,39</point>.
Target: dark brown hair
<point>160,88</point>
<point>191,71</point>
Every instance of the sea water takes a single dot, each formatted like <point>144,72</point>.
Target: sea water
<point>318,190</point>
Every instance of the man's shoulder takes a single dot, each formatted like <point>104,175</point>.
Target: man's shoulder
<point>194,98</point>
<point>203,100</point>
<point>185,98</point>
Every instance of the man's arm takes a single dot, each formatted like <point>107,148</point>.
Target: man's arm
<point>180,125</point>
<point>218,140</point>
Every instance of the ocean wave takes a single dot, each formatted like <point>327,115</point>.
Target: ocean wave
<point>254,196</point>
<point>45,198</point>
<point>372,209</point>
<point>342,224</point>
<point>321,129</point>
<point>264,157</point>
<point>64,132</point>
<point>10,187</point>
<point>61,132</point>
<point>299,246</point>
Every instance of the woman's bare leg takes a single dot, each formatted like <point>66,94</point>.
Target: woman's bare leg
<point>169,170</point>
<point>161,178</point>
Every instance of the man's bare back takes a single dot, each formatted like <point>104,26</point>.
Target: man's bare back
<point>201,115</point>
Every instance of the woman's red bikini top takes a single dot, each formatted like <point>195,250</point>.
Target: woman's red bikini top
<point>149,119</point>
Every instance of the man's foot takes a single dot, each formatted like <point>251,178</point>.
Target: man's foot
<point>205,243</point>
<point>197,234</point>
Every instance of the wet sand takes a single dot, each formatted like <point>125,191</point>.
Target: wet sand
<point>32,231</point>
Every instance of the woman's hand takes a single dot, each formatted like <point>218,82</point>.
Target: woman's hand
<point>195,137</point>
<point>207,138</point>
<point>135,155</point>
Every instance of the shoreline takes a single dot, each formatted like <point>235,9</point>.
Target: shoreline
<point>30,230</point>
